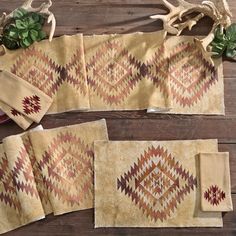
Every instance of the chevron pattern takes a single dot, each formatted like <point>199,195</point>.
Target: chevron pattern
<point>8,194</point>
<point>69,164</point>
<point>157,183</point>
<point>191,76</point>
<point>37,68</point>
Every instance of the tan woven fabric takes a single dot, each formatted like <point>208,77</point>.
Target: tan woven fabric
<point>144,71</point>
<point>127,72</point>
<point>121,72</point>
<point>65,156</point>
<point>56,68</point>
<point>215,182</point>
<point>19,199</point>
<point>24,99</point>
<point>150,184</point>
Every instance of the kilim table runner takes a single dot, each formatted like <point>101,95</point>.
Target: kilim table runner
<point>150,184</point>
<point>122,72</point>
<point>49,171</point>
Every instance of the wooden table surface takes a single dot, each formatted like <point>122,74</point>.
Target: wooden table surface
<point>125,16</point>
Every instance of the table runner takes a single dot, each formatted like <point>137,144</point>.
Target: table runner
<point>19,200</point>
<point>150,184</point>
<point>65,157</point>
<point>122,72</point>
<point>47,171</point>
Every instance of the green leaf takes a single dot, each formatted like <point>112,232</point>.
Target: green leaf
<point>26,42</point>
<point>13,34</point>
<point>219,35</point>
<point>34,34</point>
<point>37,26</point>
<point>24,34</point>
<point>19,13</point>
<point>42,35</point>
<point>231,53</point>
<point>20,24</point>
<point>35,17</point>
<point>9,43</point>
<point>231,32</point>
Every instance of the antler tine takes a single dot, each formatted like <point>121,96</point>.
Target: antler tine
<point>218,10</point>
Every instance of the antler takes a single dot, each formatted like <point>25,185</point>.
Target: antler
<point>42,9</point>
<point>218,11</point>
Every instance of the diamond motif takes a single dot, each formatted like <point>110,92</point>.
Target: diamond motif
<point>157,183</point>
<point>69,163</point>
<point>191,76</point>
<point>38,69</point>
<point>113,72</point>
<point>31,104</point>
<point>214,195</point>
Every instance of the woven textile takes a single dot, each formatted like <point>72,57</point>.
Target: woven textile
<point>150,184</point>
<point>215,182</point>
<point>120,72</point>
<point>47,171</point>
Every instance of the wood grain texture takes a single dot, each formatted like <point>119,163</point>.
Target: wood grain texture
<point>125,16</point>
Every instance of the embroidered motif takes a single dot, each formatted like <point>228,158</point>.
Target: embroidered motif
<point>41,71</point>
<point>214,195</point>
<point>191,76</point>
<point>14,112</point>
<point>31,104</point>
<point>69,164</point>
<point>157,183</point>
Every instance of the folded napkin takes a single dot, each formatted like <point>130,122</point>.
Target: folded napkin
<point>65,157</point>
<point>215,182</point>
<point>150,184</point>
<point>23,98</point>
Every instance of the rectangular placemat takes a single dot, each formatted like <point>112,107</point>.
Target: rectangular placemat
<point>150,184</point>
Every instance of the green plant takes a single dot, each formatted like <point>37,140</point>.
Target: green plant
<point>24,29</point>
<point>224,42</point>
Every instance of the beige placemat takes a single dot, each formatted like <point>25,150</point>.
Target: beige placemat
<point>150,184</point>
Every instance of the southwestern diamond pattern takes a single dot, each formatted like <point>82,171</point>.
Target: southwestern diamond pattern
<point>157,183</point>
<point>191,76</point>
<point>69,164</point>
<point>34,66</point>
<point>113,73</point>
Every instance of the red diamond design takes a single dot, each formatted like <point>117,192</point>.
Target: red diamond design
<point>191,76</point>
<point>157,183</point>
<point>214,195</point>
<point>69,163</point>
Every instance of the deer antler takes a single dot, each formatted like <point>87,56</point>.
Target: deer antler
<point>42,9</point>
<point>217,10</point>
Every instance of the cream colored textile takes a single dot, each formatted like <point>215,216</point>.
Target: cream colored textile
<point>150,184</point>
<point>215,182</point>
